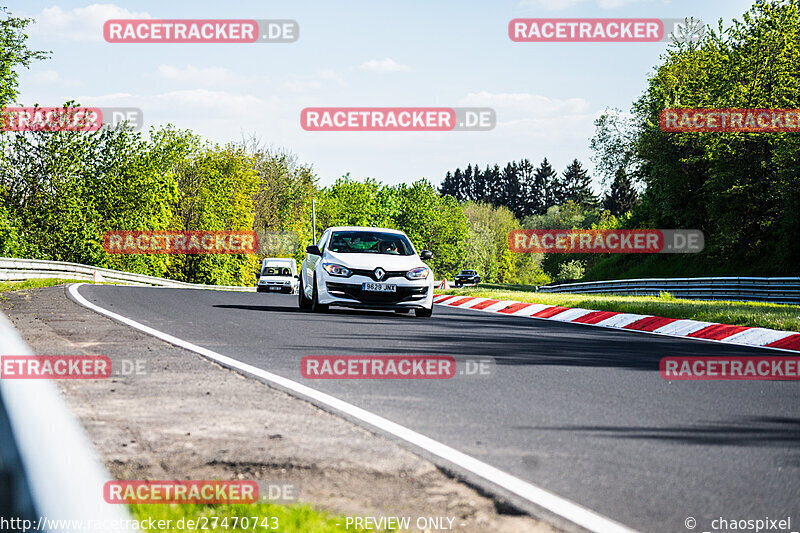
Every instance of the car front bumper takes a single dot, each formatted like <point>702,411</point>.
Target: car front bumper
<point>274,287</point>
<point>348,292</point>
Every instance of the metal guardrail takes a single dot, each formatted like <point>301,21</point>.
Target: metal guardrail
<point>775,290</point>
<point>13,269</point>
<point>52,474</point>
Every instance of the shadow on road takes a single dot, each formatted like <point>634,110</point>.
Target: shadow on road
<point>748,431</point>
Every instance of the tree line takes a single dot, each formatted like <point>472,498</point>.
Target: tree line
<point>59,192</point>
<point>527,190</point>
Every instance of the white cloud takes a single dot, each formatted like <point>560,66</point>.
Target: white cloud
<point>45,77</point>
<point>383,66</point>
<point>195,75</point>
<point>327,74</point>
<point>551,5</point>
<point>324,77</point>
<point>525,105</point>
<point>612,4</point>
<point>211,103</point>
<point>556,5</point>
<point>301,85</point>
<point>81,23</point>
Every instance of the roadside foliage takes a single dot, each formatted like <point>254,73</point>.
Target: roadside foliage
<point>61,191</point>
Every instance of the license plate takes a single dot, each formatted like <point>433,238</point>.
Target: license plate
<point>274,288</point>
<point>378,287</point>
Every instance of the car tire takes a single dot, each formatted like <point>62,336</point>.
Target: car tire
<point>302,301</point>
<point>317,307</point>
<point>424,312</point>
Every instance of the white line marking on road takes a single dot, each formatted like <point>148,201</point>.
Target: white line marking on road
<point>564,508</point>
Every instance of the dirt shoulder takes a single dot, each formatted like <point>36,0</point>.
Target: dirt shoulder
<point>189,418</point>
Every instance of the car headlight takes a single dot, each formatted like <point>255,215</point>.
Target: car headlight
<point>418,273</point>
<point>336,270</point>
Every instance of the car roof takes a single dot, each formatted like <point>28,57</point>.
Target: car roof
<point>364,228</point>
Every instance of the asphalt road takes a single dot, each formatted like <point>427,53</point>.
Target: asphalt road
<point>580,411</point>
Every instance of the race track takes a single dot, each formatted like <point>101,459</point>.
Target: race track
<point>579,411</point>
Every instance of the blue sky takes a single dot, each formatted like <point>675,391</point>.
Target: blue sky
<point>360,53</point>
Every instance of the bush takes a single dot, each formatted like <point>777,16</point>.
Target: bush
<point>571,270</point>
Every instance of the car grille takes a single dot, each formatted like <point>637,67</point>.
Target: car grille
<point>354,292</point>
<point>371,274</point>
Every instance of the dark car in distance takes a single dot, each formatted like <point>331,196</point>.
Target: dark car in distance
<point>467,277</point>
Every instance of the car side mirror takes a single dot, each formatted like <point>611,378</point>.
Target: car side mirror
<point>426,254</point>
<point>297,276</point>
<point>313,250</point>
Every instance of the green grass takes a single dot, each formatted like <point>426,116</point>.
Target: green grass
<point>755,314</point>
<point>297,518</point>
<point>36,283</point>
<point>507,287</point>
<point>629,266</point>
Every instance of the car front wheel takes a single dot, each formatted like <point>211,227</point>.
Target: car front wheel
<point>317,307</point>
<point>302,301</point>
<point>423,313</point>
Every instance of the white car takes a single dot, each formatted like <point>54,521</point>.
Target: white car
<point>361,267</point>
<point>278,274</point>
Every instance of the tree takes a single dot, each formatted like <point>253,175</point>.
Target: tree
<point>450,185</point>
<point>494,189</point>
<point>621,196</point>
<point>528,202</point>
<point>544,180</point>
<point>577,186</point>
<point>615,145</point>
<point>477,181</point>
<point>511,190</point>
<point>741,189</point>
<point>487,245</point>
<point>14,53</point>
<point>432,221</point>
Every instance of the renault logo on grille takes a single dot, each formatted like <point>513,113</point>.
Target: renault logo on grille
<point>379,273</point>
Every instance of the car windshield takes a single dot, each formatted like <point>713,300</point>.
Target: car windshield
<point>370,242</point>
<point>467,272</point>
<point>276,271</point>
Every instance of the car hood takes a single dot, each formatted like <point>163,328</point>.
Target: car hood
<point>275,278</point>
<point>372,261</point>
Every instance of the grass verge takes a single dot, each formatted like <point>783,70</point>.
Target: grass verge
<point>297,518</point>
<point>6,286</point>
<point>754,314</point>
